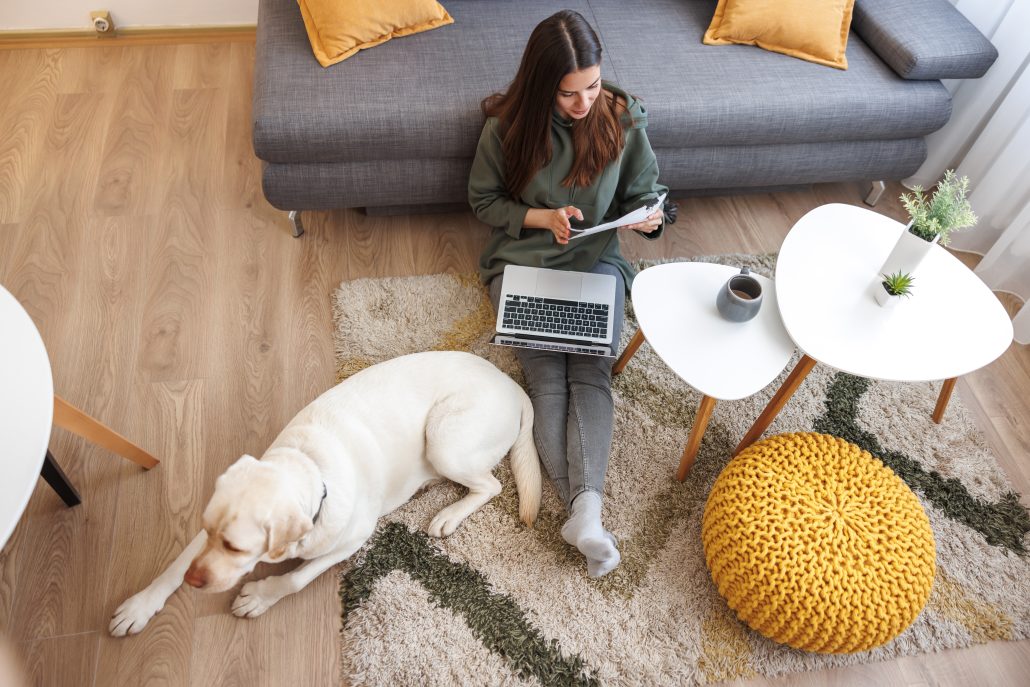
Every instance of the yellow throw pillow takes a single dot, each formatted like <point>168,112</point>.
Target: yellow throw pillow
<point>339,28</point>
<point>813,30</point>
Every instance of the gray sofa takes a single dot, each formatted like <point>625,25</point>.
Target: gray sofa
<point>395,127</point>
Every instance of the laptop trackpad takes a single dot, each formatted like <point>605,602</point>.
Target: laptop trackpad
<point>558,284</point>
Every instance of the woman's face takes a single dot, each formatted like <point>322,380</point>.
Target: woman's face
<point>577,92</point>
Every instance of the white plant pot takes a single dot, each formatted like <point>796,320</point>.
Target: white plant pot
<point>885,299</point>
<point>908,252</point>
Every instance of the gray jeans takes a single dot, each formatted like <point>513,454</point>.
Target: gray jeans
<point>572,404</point>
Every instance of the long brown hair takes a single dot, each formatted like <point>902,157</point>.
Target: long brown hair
<point>559,45</point>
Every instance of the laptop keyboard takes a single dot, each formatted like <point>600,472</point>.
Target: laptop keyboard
<point>557,317</point>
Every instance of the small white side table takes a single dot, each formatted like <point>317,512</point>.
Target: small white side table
<point>675,308</point>
<point>825,277</point>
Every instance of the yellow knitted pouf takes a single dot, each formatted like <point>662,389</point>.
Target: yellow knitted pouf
<point>817,544</point>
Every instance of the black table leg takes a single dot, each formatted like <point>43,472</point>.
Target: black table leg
<point>55,477</point>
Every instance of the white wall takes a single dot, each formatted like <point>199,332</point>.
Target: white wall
<point>74,14</point>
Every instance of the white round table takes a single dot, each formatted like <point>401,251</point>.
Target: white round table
<point>26,410</point>
<point>675,308</point>
<point>826,274</point>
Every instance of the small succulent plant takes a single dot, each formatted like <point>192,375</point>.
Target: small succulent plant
<point>898,284</point>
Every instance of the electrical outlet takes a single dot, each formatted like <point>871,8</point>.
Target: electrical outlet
<point>102,22</point>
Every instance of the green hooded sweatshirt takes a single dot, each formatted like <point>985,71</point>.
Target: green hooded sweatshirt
<point>625,184</point>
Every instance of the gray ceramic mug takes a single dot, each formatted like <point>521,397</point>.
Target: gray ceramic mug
<point>740,298</point>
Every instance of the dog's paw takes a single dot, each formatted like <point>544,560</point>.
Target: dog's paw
<point>134,614</point>
<point>447,520</point>
<point>253,600</point>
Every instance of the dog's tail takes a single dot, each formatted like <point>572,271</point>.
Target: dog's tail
<point>525,465</point>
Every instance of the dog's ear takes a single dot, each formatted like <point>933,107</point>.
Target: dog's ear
<point>283,531</point>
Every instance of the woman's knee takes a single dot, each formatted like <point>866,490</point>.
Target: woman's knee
<point>552,386</point>
<point>550,389</point>
<point>590,370</point>
<point>545,372</point>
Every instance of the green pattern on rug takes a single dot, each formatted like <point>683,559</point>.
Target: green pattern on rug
<point>494,618</point>
<point>1002,523</point>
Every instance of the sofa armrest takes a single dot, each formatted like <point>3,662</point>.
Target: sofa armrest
<point>923,39</point>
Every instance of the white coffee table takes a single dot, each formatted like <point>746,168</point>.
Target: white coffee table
<point>825,278</point>
<point>675,308</point>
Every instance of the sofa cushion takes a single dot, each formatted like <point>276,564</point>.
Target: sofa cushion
<point>419,97</point>
<point>924,39</point>
<point>813,30</point>
<point>338,29</point>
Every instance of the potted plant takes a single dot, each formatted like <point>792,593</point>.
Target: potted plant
<point>893,287</point>
<point>933,219</point>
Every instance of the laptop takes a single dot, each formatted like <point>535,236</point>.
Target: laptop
<point>556,310</point>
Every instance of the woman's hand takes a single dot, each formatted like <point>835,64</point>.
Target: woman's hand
<point>556,221</point>
<point>650,224</point>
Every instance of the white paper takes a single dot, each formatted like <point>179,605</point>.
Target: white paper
<point>638,215</point>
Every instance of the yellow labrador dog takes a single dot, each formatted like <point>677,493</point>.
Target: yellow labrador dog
<point>354,454</point>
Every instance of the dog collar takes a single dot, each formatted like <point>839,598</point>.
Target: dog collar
<point>325,492</point>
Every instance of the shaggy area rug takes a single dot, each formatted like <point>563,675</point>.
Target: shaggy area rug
<point>501,604</point>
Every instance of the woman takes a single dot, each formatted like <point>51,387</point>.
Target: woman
<point>558,145</point>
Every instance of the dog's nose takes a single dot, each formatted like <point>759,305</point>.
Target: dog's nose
<point>195,578</point>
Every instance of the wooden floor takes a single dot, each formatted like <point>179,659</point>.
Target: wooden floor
<point>177,308</point>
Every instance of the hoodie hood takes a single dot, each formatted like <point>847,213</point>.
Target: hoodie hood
<point>635,116</point>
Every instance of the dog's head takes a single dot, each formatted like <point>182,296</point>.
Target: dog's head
<point>255,514</point>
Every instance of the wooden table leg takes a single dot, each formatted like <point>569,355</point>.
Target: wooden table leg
<point>638,339</point>
<point>776,403</point>
<point>942,400</point>
<point>74,420</point>
<point>704,413</point>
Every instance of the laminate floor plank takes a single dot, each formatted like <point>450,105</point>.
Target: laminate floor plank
<point>30,90</point>
<point>315,269</point>
<point>157,515</point>
<point>241,170</point>
<point>134,146</point>
<point>176,315</point>
<point>63,188</point>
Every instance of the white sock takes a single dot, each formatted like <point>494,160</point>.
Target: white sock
<point>584,530</point>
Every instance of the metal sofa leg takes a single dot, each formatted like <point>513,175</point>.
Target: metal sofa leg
<point>298,226</point>
<point>876,190</point>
